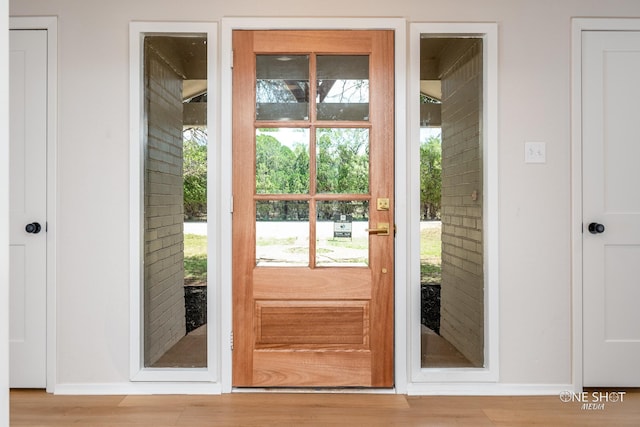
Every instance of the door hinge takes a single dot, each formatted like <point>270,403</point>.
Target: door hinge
<point>231,202</point>
<point>232,58</point>
<point>231,340</point>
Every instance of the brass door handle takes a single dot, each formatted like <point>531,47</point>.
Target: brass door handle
<point>381,230</point>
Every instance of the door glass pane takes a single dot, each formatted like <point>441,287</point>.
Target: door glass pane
<point>342,239</point>
<point>451,204</point>
<point>342,165</point>
<point>282,87</point>
<point>282,161</point>
<point>175,201</point>
<point>282,233</point>
<point>343,87</point>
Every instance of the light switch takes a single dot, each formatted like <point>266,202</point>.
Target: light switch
<point>535,152</point>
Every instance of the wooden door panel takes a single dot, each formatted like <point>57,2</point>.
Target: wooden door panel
<point>312,324</point>
<point>316,325</point>
<point>310,369</point>
<point>272,41</point>
<point>324,283</point>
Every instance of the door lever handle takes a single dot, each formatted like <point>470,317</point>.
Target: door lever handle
<point>381,230</point>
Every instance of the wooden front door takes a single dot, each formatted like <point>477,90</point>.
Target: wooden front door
<point>313,186</point>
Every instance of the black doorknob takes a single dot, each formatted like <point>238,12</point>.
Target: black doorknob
<point>33,228</point>
<point>595,228</point>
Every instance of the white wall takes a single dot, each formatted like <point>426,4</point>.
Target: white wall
<point>534,105</point>
<point>4,214</point>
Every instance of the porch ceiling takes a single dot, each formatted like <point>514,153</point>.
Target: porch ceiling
<point>187,55</point>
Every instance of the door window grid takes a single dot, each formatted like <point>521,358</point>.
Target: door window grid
<point>335,171</point>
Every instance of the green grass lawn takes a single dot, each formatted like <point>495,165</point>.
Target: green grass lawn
<point>430,255</point>
<point>195,255</point>
<point>274,241</point>
<point>362,243</point>
<point>195,258</point>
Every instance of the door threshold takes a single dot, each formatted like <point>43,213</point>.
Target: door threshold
<point>317,390</point>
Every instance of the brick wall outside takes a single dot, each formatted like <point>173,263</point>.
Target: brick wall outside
<point>462,298</point>
<point>164,311</point>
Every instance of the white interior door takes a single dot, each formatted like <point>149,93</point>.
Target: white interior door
<point>611,208</point>
<point>28,207</point>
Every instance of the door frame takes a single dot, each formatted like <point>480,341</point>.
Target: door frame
<point>228,26</point>
<point>50,25</point>
<point>578,25</point>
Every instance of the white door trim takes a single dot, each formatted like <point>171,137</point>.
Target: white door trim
<point>4,217</point>
<point>578,25</point>
<point>50,25</point>
<point>253,23</point>
<point>434,380</point>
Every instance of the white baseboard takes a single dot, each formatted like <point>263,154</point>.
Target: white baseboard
<point>137,388</point>
<point>413,389</point>
<point>487,389</point>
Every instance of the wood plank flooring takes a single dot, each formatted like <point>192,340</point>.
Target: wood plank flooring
<point>37,408</point>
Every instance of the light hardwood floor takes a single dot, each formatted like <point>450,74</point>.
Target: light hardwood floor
<point>36,408</point>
